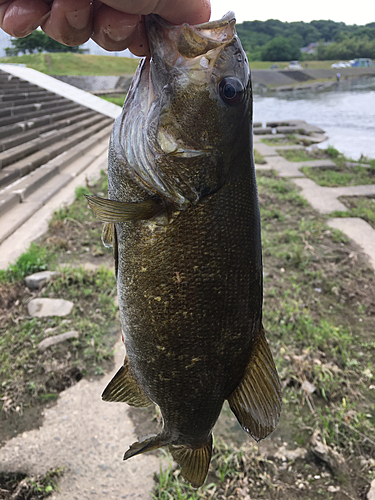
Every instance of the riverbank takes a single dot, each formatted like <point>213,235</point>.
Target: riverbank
<point>274,80</point>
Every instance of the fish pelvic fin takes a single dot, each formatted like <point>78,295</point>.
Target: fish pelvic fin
<point>108,234</point>
<point>150,444</point>
<point>194,462</point>
<point>257,401</point>
<point>119,211</point>
<point>109,239</point>
<point>123,388</point>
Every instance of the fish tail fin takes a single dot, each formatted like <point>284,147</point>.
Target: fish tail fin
<point>257,401</point>
<point>150,444</point>
<point>194,462</point>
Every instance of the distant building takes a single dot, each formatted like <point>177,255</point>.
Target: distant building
<point>309,49</point>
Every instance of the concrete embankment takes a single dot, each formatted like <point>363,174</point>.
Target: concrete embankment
<point>284,79</point>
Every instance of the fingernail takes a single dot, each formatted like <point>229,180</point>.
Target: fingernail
<point>79,19</point>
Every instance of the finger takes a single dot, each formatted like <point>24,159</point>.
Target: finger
<point>139,46</point>
<point>20,17</point>
<point>114,30</point>
<point>70,22</point>
<point>174,11</point>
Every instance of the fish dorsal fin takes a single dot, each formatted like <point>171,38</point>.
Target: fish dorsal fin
<point>119,211</point>
<point>107,234</point>
<point>194,462</point>
<point>257,401</point>
<point>123,388</point>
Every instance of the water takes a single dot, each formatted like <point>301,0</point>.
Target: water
<point>346,113</point>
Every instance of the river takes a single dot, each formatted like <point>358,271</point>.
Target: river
<point>346,113</point>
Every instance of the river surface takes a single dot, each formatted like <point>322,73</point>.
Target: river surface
<point>346,113</point>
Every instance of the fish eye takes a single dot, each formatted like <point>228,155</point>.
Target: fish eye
<point>231,90</point>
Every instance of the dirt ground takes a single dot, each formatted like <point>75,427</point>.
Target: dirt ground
<point>319,314</point>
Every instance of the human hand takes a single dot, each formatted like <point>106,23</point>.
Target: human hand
<point>113,24</point>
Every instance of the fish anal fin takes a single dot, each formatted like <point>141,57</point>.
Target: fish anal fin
<point>120,211</point>
<point>123,388</point>
<point>257,400</point>
<point>150,444</point>
<point>194,462</point>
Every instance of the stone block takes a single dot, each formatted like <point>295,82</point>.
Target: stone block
<point>37,280</point>
<point>41,308</point>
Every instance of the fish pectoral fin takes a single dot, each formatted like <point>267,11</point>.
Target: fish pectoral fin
<point>257,401</point>
<point>123,388</point>
<point>194,462</point>
<point>152,443</point>
<point>107,234</point>
<point>119,211</point>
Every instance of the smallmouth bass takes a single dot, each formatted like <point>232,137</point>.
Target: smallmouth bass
<point>183,219</point>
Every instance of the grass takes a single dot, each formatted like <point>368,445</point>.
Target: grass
<point>294,155</point>
<point>33,260</point>
<point>26,378</point>
<point>66,63</point>
<point>289,140</point>
<point>343,174</point>
<point>359,206</point>
<point>20,485</point>
<point>116,99</point>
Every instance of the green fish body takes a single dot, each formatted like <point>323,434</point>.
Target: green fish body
<point>184,221</point>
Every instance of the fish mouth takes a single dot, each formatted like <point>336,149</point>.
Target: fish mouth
<point>190,51</point>
<point>187,40</point>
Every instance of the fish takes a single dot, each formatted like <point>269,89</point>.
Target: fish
<point>183,219</point>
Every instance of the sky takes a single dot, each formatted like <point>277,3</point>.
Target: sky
<point>356,12</point>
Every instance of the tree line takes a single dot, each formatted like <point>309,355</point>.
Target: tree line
<point>274,40</point>
<point>271,40</point>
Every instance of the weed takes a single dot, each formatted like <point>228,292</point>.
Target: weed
<point>33,260</point>
<point>294,155</point>
<point>342,176</point>
<point>332,152</point>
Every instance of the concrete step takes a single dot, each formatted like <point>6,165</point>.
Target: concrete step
<point>21,86</point>
<point>23,95</point>
<point>25,136</point>
<point>66,168</point>
<point>38,112</point>
<point>26,108</point>
<point>15,128</point>
<point>44,140</point>
<point>63,150</point>
<point>29,99</point>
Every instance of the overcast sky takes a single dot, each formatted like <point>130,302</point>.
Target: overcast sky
<point>355,12</point>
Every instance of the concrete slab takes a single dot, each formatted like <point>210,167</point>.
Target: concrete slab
<point>265,150</point>
<point>88,437</point>
<point>36,225</point>
<point>323,199</point>
<point>63,89</point>
<point>358,230</point>
<point>14,220</point>
<point>284,167</point>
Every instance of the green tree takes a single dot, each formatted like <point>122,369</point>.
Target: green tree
<point>38,41</point>
<point>281,49</point>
